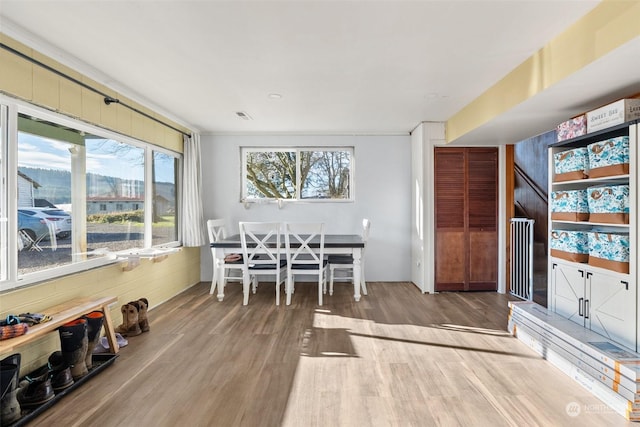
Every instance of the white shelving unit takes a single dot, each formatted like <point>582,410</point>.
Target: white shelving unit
<point>601,300</point>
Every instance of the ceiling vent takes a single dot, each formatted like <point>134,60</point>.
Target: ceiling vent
<point>243,115</point>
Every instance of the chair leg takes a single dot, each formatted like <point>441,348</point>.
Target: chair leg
<point>223,280</point>
<point>288,288</point>
<point>213,283</point>
<point>362,281</point>
<point>245,288</point>
<point>333,269</point>
<point>320,290</point>
<point>324,282</point>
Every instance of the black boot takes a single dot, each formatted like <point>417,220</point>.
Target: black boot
<point>9,375</point>
<point>60,372</point>
<point>74,345</point>
<point>38,389</point>
<point>94,326</point>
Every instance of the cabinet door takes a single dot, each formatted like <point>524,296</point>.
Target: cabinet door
<point>466,219</point>
<point>611,308</point>
<point>567,291</point>
<point>451,213</point>
<point>482,201</point>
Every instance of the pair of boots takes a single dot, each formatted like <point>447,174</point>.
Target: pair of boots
<point>34,391</point>
<point>77,341</point>
<point>37,388</point>
<point>9,376</point>
<point>134,318</point>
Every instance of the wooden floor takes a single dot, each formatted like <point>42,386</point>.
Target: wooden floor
<point>396,358</point>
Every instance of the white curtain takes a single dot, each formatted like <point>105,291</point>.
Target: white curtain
<point>192,217</point>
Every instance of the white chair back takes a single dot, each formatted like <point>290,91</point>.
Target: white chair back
<point>260,243</point>
<point>366,226</point>
<point>298,241</point>
<point>304,243</point>
<point>217,230</point>
<point>261,254</point>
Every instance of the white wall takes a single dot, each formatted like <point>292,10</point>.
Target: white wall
<point>382,192</point>
<point>423,139</point>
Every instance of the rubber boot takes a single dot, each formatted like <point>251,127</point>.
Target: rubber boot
<point>61,377</point>
<point>9,375</point>
<point>38,389</point>
<point>130,326</point>
<point>74,345</point>
<point>143,321</point>
<point>94,326</point>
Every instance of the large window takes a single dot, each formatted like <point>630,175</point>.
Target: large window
<point>297,174</point>
<point>115,179</point>
<point>165,202</point>
<point>81,195</point>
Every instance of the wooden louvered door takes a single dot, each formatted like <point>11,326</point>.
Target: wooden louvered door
<point>466,219</point>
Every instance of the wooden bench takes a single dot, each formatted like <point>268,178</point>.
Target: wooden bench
<point>63,313</point>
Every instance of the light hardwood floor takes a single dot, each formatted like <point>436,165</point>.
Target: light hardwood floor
<point>396,358</point>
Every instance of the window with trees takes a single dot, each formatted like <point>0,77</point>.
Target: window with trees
<point>297,173</point>
<point>82,195</point>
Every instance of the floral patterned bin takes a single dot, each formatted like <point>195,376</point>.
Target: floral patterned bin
<point>571,205</point>
<point>609,157</point>
<point>609,250</point>
<point>571,164</point>
<point>569,245</point>
<point>609,204</point>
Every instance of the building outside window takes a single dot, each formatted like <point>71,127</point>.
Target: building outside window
<point>67,176</point>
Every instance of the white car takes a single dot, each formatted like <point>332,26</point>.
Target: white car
<point>60,219</point>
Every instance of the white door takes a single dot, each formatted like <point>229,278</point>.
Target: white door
<point>611,308</point>
<point>567,291</point>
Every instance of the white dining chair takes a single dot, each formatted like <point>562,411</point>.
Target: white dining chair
<point>231,266</point>
<point>345,262</point>
<point>303,257</point>
<point>261,255</point>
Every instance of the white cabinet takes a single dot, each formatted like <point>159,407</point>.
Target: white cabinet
<point>600,299</point>
<point>596,299</point>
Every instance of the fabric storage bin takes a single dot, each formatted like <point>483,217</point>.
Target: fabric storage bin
<point>569,245</point>
<point>571,164</point>
<point>609,157</point>
<point>572,128</point>
<point>609,250</point>
<point>569,205</point>
<point>609,204</point>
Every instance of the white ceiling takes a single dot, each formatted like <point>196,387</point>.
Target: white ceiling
<point>341,67</point>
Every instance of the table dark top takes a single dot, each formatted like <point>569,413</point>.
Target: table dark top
<point>330,241</point>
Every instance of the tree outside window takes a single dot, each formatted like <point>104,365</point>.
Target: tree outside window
<point>319,174</point>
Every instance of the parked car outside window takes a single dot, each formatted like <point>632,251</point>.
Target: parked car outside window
<point>31,225</point>
<point>43,203</point>
<point>60,219</point>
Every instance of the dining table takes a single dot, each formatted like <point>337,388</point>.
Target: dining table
<point>334,244</point>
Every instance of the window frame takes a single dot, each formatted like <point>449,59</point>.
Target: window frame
<point>10,109</point>
<point>297,149</point>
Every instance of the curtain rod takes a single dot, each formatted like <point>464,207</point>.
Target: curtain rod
<point>107,98</point>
